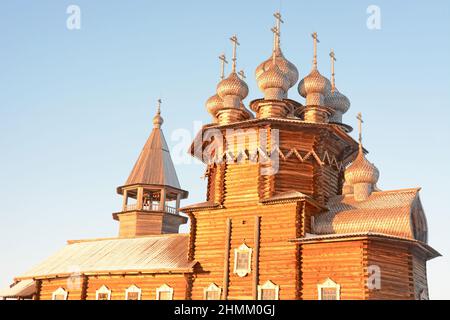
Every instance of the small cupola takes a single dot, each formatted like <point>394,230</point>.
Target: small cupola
<point>362,175</point>
<point>315,87</point>
<point>338,102</point>
<point>232,90</point>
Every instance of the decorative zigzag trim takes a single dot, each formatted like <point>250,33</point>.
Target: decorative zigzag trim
<point>260,154</point>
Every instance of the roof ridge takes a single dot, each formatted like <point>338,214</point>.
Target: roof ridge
<point>166,235</point>
<point>405,190</point>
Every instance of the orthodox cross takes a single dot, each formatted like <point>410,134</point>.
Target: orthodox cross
<point>276,37</point>
<point>158,108</point>
<point>277,16</point>
<point>360,122</point>
<point>316,40</point>
<point>242,74</point>
<point>224,61</point>
<point>234,39</point>
<point>333,81</point>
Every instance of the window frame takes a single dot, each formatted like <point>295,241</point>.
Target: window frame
<point>60,291</point>
<point>212,288</point>
<point>329,284</point>
<point>164,288</point>
<point>269,285</point>
<point>103,289</point>
<point>133,289</point>
<point>243,248</point>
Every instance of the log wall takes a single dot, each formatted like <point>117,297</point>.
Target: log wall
<point>342,262</point>
<point>277,226</point>
<point>395,262</point>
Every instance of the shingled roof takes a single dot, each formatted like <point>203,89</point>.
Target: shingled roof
<point>387,212</point>
<point>154,165</point>
<point>150,254</point>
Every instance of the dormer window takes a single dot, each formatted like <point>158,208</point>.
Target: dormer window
<point>133,293</point>
<point>268,291</point>
<point>164,293</point>
<point>329,290</point>
<point>59,294</point>
<point>103,293</point>
<point>212,292</point>
<point>242,260</point>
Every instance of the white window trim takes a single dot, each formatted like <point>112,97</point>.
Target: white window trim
<point>212,288</point>
<point>133,288</point>
<point>329,284</point>
<point>103,289</point>
<point>243,248</point>
<point>60,291</point>
<point>163,288</point>
<point>268,285</point>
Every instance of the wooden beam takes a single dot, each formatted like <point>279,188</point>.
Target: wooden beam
<point>256,257</point>
<point>140,198</point>
<point>84,287</point>
<point>125,200</point>
<point>226,262</point>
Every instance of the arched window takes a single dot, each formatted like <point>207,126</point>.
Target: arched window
<point>242,260</point>
<point>133,293</point>
<point>212,292</point>
<point>329,290</point>
<point>103,293</point>
<point>59,294</point>
<point>268,291</point>
<point>164,293</point>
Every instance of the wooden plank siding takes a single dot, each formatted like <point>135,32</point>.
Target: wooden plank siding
<point>73,287</point>
<point>419,273</point>
<point>118,285</point>
<point>395,262</point>
<point>342,262</point>
<point>147,283</point>
<point>277,226</point>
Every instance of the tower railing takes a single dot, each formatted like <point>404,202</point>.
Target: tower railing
<point>152,207</point>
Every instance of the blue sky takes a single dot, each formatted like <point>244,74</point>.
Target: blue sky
<point>76,105</point>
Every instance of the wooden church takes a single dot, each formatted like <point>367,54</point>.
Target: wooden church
<point>292,210</point>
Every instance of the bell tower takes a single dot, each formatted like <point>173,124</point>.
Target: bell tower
<point>152,192</point>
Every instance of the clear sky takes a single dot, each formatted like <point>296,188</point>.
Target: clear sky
<point>76,105</point>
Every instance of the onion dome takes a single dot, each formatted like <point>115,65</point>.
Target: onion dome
<point>361,171</point>
<point>214,104</point>
<point>274,83</point>
<point>232,86</point>
<point>287,68</point>
<point>232,91</point>
<point>337,101</point>
<point>361,174</point>
<point>314,87</point>
<point>157,119</point>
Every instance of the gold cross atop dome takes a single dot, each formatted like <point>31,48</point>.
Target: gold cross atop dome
<point>223,61</point>
<point>242,74</point>
<point>316,40</point>
<point>333,81</point>
<point>235,42</point>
